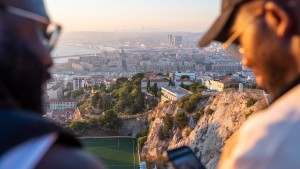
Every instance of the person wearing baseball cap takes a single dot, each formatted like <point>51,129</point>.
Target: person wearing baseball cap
<point>265,35</point>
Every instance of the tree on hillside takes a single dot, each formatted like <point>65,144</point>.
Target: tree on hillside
<point>148,86</point>
<point>182,101</point>
<point>121,80</point>
<point>111,120</point>
<point>181,120</point>
<point>95,87</point>
<point>137,77</point>
<point>140,101</point>
<point>105,102</point>
<point>95,122</point>
<point>200,88</point>
<point>120,106</point>
<point>165,131</point>
<point>171,83</point>
<point>155,89</point>
<point>76,93</point>
<point>136,91</point>
<point>95,99</point>
<point>168,121</point>
<point>78,126</point>
<point>113,87</point>
<point>193,86</point>
<point>184,86</point>
<point>125,89</point>
<point>190,106</point>
<point>102,86</point>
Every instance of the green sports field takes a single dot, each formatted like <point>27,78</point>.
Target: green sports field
<point>116,153</point>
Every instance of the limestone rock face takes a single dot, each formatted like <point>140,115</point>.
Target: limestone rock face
<point>208,136</point>
<point>131,126</point>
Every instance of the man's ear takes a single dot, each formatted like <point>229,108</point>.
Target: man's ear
<point>278,18</point>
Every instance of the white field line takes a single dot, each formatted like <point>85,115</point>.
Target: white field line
<point>107,137</point>
<point>133,153</point>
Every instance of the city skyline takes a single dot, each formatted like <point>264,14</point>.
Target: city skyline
<point>134,15</point>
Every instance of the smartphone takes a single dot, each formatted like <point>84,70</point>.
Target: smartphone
<point>184,158</point>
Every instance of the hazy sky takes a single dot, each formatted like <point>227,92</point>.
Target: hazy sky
<point>134,15</point>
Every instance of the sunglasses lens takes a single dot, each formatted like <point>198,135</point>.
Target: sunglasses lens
<point>53,33</point>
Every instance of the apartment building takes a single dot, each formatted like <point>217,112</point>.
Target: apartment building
<point>173,93</point>
<point>62,104</point>
<point>160,83</point>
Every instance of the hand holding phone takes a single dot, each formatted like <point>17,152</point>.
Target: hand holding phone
<point>184,158</point>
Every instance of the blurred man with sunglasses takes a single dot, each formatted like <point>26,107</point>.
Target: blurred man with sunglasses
<point>265,35</point>
<point>27,37</point>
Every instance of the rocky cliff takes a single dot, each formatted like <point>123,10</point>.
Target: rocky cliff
<point>208,135</point>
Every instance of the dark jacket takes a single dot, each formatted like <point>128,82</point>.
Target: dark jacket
<point>18,126</point>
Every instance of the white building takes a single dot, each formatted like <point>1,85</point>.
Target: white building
<point>177,41</point>
<point>219,85</point>
<point>173,93</point>
<point>56,91</point>
<point>78,82</point>
<point>227,68</point>
<point>62,104</point>
<point>160,83</point>
<point>178,75</point>
<point>60,116</point>
<point>51,83</point>
<point>143,165</point>
<point>183,81</point>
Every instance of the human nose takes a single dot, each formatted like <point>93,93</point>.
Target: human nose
<point>48,61</point>
<point>246,63</point>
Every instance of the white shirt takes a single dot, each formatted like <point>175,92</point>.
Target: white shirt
<point>28,154</point>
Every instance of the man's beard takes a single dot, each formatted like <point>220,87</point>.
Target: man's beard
<point>21,76</point>
<point>274,69</point>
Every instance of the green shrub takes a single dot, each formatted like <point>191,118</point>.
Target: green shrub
<point>251,102</point>
<point>78,126</point>
<point>198,115</point>
<point>189,103</point>
<point>164,133</point>
<point>209,111</point>
<point>141,142</point>
<point>190,106</point>
<point>143,133</point>
<point>168,121</point>
<point>181,120</point>
<point>182,101</point>
<point>111,120</point>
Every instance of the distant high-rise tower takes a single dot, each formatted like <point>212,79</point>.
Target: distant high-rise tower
<point>177,41</point>
<point>170,40</point>
<point>124,64</point>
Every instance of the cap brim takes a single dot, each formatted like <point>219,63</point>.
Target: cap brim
<point>216,31</point>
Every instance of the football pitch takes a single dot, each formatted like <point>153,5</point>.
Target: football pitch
<point>116,153</point>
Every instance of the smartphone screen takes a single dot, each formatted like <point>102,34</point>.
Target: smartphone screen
<point>184,158</point>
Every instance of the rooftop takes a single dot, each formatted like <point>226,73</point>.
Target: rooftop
<point>154,80</point>
<point>177,90</point>
<point>184,80</point>
<point>62,100</point>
